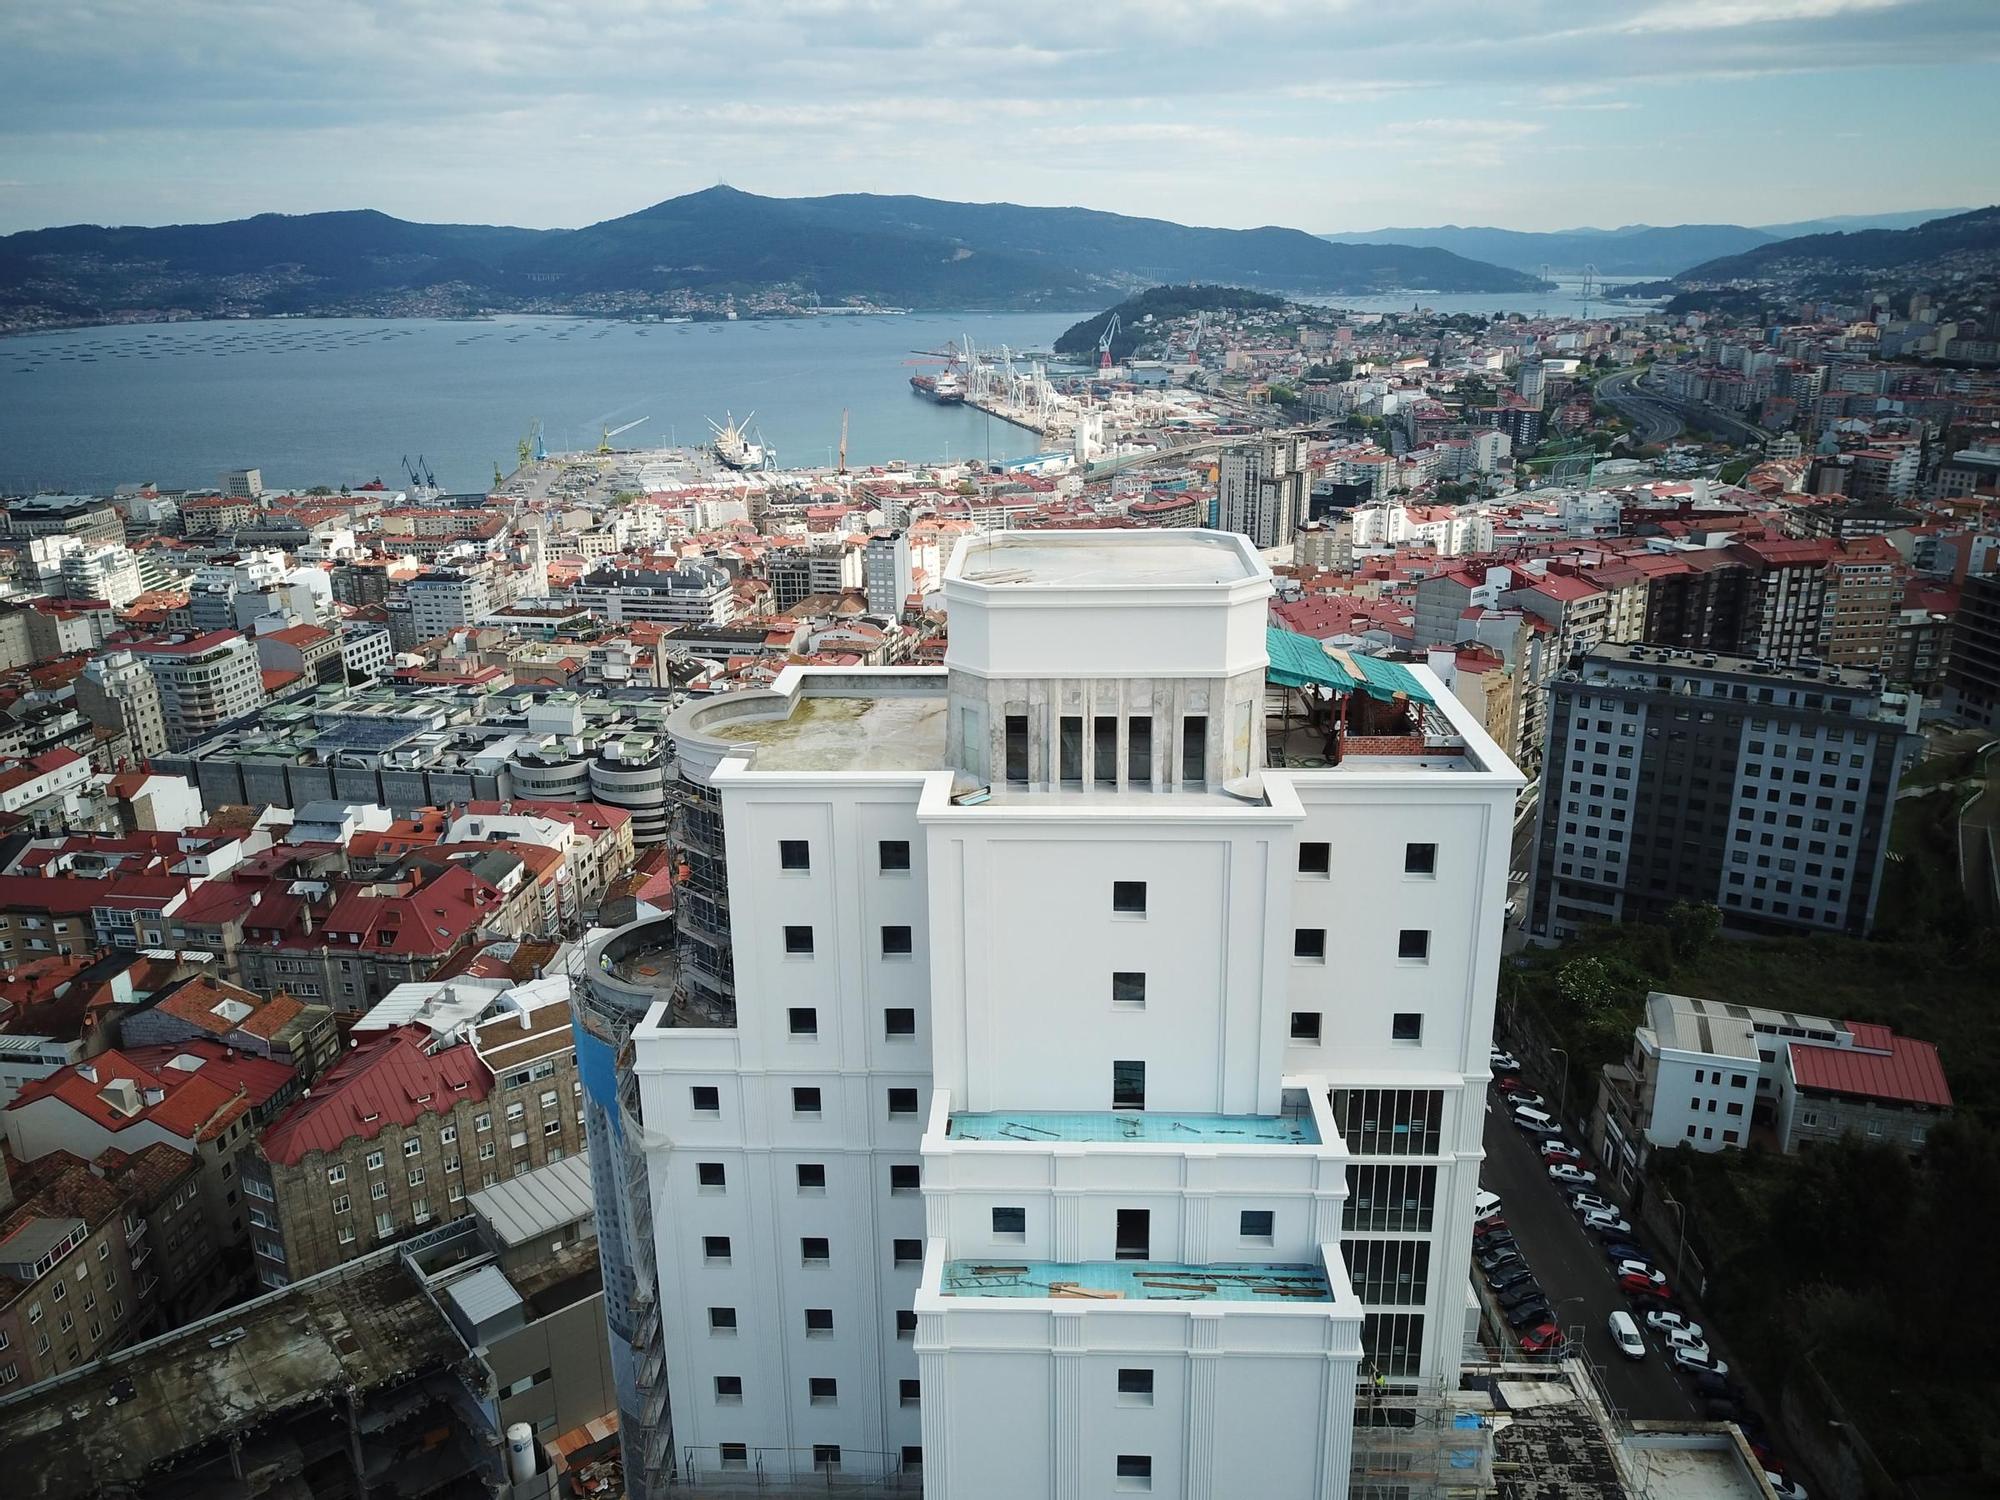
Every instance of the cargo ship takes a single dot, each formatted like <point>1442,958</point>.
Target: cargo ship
<point>733,447</point>
<point>945,387</point>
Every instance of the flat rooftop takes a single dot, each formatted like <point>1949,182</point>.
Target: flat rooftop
<point>1100,560</point>
<point>1152,1127</point>
<point>1134,1280</point>
<point>824,732</point>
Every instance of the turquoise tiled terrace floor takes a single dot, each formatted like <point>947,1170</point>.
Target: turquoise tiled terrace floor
<point>1136,1280</point>
<point>1160,1127</point>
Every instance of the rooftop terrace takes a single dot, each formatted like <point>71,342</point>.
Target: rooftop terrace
<point>1151,1127</point>
<point>1088,561</point>
<point>1135,1280</point>
<point>897,732</point>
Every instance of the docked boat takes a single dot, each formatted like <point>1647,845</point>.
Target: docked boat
<point>732,444</point>
<point>945,387</point>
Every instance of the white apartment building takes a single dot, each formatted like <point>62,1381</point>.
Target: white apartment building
<point>1088,1105</point>
<point>693,593</point>
<point>443,601</point>
<point>117,692</point>
<point>205,681</point>
<point>106,572</point>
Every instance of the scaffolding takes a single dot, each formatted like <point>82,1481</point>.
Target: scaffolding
<point>1427,1441</point>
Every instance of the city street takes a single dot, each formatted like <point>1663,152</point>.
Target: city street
<point>1652,421</point>
<point>1572,1270</point>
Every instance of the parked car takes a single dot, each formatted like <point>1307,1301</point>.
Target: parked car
<point>1607,1225</point>
<point>1562,1171</point>
<point>1704,1363</point>
<point>1590,1203</point>
<point>1493,1244</point>
<point>1681,1339</point>
<point>1616,1250</point>
<point>1719,1388</point>
<point>1484,1203</point>
<point>1507,1277</point>
<point>1669,1320</point>
<point>1640,1267</point>
<point>1527,1291</point>
<point>1547,1339</point>
<point>1530,1315</point>
<point>1509,1084</point>
<point>1492,1225</point>
<point>1497,1260</point>
<point>1503,1062</point>
<point>1557,1146</point>
<point>1489,1238</point>
<point>1625,1335</point>
<point>1640,1286</point>
<point>1534,1122</point>
<point>1783,1488</point>
<point>1527,1099</point>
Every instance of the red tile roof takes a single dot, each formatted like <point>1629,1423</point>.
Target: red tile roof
<point>390,1081</point>
<point>193,1104</point>
<point>1880,1065</point>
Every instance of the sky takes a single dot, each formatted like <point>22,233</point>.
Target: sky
<point>1324,115</point>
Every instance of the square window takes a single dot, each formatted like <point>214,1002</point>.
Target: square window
<point>819,1322</point>
<point>1135,1472</point>
<point>1420,859</point>
<point>815,1250</point>
<point>905,1179</point>
<point>826,1458</point>
<point>794,854</point>
<point>1135,1387</point>
<point>1128,990</point>
<point>1010,1224</point>
<point>907,1252</point>
<point>1128,1084</point>
<point>1128,897</point>
<point>1408,1026</point>
<point>910,1392</point>
<point>902,1102</point>
<point>1314,859</point>
<point>1305,1026</point>
<point>1413,945</point>
<point>729,1390</point>
<point>1256,1224</point>
<point>733,1455</point>
<point>705,1099</point>
<point>722,1320</point>
<point>715,1249</point>
<point>893,856</point>
<point>711,1175</point>
<point>812,1177</point>
<point>899,1020</point>
<point>896,942</point>
<point>1309,943</point>
<point>823,1390</point>
<point>804,1020</point>
<point>799,941</point>
<point>805,1102</point>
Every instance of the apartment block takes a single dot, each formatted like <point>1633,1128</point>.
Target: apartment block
<point>1764,790</point>
<point>205,681</point>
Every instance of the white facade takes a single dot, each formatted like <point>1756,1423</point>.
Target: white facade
<point>1041,976</point>
<point>204,683</point>
<point>110,573</point>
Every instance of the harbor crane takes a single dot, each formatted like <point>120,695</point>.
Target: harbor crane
<point>604,441</point>
<point>1104,343</point>
<point>842,469</point>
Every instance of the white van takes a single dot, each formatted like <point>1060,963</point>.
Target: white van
<point>1625,1334</point>
<point>1484,1205</point>
<point>1534,1121</point>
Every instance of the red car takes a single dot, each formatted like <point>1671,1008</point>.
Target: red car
<point>1641,1286</point>
<point>1489,1226</point>
<point>1565,1158</point>
<point>1545,1339</point>
<point>1509,1084</point>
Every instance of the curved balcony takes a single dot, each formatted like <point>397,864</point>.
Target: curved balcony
<point>631,970</point>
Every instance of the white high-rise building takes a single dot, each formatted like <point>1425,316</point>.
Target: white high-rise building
<point>1262,490</point>
<point>1081,1104</point>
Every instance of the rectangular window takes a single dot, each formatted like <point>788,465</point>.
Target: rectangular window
<point>815,1250</point>
<point>1139,750</point>
<point>705,1099</point>
<point>794,854</point>
<point>896,942</point>
<point>907,1252</point>
<point>799,941</point>
<point>812,1177</point>
<point>1395,1200</point>
<point>722,1320</point>
<point>1194,750</point>
<point>1135,1387</point>
<point>1128,897</point>
<point>1017,748</point>
<point>906,1179</point>
<point>733,1455</point>
<point>906,1323</point>
<point>715,1249</point>
<point>336,1175</point>
<point>711,1176</point>
<point>909,1393</point>
<point>1135,1234</point>
<point>1413,945</point>
<point>729,1390</point>
<point>1305,1026</point>
<point>826,1458</point>
<point>1135,1472</point>
<point>893,856</point>
<point>1256,1224</point>
<point>819,1322</point>
<point>899,1020</point>
<point>805,1102</point>
<point>1010,1224</point>
<point>1106,748</point>
<point>1315,859</point>
<point>1128,990</point>
<point>1070,748</point>
<point>804,1020</point>
<point>1408,1026</point>
<point>823,1390</point>
<point>1390,1122</point>
<point>1309,944</point>
<point>902,1102</point>
<point>1420,859</point>
<point>1128,1085</point>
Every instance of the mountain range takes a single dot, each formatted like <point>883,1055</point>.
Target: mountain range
<point>1963,243</point>
<point>1633,249</point>
<point>715,244</point>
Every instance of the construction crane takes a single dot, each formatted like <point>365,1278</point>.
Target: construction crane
<point>1104,343</point>
<point>842,469</point>
<point>604,442</point>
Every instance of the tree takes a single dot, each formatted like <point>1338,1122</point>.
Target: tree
<point>1692,926</point>
<point>1474,391</point>
<point>1281,395</point>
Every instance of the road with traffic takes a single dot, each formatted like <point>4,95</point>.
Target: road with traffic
<point>1652,421</point>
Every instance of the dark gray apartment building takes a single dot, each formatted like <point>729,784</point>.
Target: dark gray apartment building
<point>1669,776</point>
